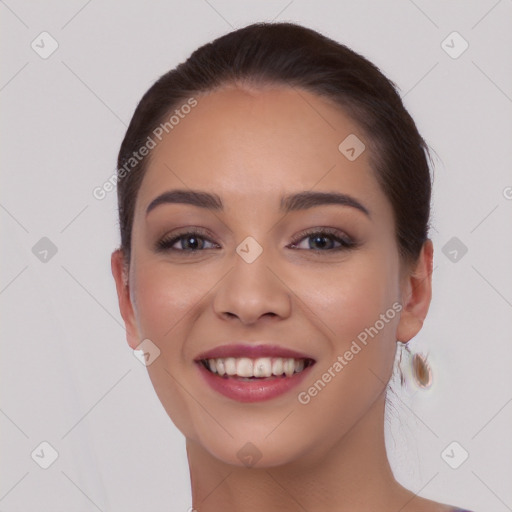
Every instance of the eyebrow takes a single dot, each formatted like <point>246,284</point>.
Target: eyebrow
<point>289,203</point>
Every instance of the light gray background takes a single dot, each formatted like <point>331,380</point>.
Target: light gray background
<point>68,375</point>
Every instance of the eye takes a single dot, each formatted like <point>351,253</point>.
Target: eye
<point>322,240</point>
<point>192,240</point>
<point>316,239</point>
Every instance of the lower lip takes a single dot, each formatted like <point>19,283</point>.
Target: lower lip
<point>255,390</point>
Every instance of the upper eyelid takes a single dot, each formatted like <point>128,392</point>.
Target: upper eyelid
<point>334,232</point>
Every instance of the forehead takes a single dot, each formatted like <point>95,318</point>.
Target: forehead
<point>258,144</point>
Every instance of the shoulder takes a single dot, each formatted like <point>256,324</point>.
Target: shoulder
<point>426,505</point>
<point>455,509</point>
<point>415,503</point>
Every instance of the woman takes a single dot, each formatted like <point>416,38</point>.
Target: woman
<point>274,201</point>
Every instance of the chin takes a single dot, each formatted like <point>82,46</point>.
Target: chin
<point>255,455</point>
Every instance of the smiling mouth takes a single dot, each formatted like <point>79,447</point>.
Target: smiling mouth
<point>261,368</point>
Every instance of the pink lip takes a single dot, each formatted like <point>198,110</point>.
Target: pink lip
<point>252,390</point>
<point>252,351</point>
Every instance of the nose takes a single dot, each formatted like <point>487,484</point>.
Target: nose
<point>251,291</point>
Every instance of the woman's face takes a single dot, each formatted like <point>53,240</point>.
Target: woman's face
<point>263,273</point>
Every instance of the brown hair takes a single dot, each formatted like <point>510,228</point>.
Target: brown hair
<point>292,55</point>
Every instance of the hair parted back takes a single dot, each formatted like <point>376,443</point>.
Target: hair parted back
<point>287,54</point>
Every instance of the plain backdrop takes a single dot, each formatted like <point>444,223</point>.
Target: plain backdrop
<point>69,378</point>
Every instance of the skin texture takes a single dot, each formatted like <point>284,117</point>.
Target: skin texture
<point>250,146</point>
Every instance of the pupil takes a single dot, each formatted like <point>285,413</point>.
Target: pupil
<point>194,243</point>
<point>322,238</point>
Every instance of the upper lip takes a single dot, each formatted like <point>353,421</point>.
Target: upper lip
<point>251,351</point>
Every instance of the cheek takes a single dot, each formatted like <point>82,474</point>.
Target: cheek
<point>351,297</point>
<point>165,298</point>
<point>354,308</point>
<point>167,301</point>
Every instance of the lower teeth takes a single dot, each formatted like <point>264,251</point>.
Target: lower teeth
<point>255,378</point>
<point>225,376</point>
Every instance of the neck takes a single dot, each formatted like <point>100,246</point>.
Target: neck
<point>352,474</point>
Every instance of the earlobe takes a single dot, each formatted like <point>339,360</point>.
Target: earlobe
<point>416,295</point>
<point>120,273</point>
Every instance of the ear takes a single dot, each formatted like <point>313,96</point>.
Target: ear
<point>416,294</point>
<point>120,273</point>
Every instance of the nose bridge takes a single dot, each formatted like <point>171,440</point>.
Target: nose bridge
<point>251,288</point>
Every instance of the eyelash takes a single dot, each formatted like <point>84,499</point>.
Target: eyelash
<point>346,243</point>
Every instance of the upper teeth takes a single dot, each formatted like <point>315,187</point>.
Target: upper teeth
<point>260,367</point>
